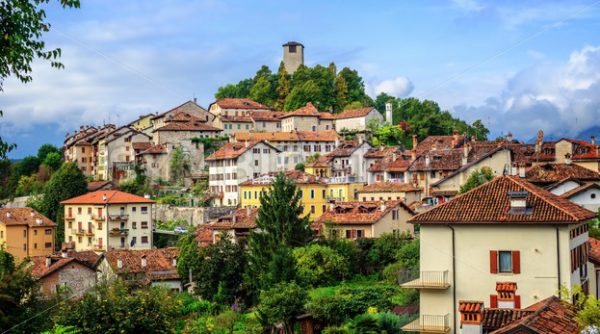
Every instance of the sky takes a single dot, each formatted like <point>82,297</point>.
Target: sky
<point>519,66</point>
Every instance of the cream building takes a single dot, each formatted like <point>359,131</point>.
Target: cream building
<point>381,191</point>
<point>357,119</point>
<point>107,220</point>
<point>506,233</point>
<point>307,118</point>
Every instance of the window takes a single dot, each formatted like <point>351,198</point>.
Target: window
<point>89,211</point>
<point>48,245</point>
<point>593,196</point>
<point>324,193</point>
<point>34,232</point>
<point>78,211</point>
<point>133,209</point>
<point>24,233</point>
<point>144,210</point>
<point>144,239</point>
<point>144,224</point>
<point>394,214</point>
<point>292,48</point>
<point>505,262</point>
<point>312,209</point>
<point>312,193</point>
<point>134,225</point>
<point>35,245</point>
<point>255,162</point>
<point>70,225</point>
<point>48,231</point>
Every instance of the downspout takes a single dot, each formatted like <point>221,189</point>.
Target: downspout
<point>453,278</point>
<point>558,259</point>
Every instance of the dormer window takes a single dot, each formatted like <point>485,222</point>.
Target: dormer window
<point>518,202</point>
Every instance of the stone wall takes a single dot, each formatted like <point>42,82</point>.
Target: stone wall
<point>193,215</point>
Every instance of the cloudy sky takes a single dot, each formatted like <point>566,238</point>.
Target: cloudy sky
<point>519,66</point>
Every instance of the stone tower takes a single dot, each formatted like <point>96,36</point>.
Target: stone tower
<point>293,56</point>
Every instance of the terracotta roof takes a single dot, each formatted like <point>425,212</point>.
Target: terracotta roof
<point>490,203</point>
<point>579,189</point>
<point>551,173</point>
<point>181,108</point>
<point>321,161</point>
<point>188,126</point>
<point>40,270</point>
<point>24,216</point>
<point>236,118</point>
<point>96,185</point>
<point>594,250</point>
<point>266,116</point>
<point>239,219</point>
<point>155,149</point>
<point>234,150</point>
<point>240,103</point>
<point>346,148</point>
<point>470,306</point>
<point>360,213</point>
<point>159,262</point>
<point>389,164</point>
<point>141,146</point>
<point>552,316</point>
<point>494,318</point>
<point>354,113</point>
<point>107,197</point>
<point>583,150</point>
<point>382,151</point>
<point>450,159</point>
<point>475,159</point>
<point>294,136</point>
<point>309,110</point>
<point>378,187</point>
<point>506,286</point>
<point>443,193</point>
<point>299,177</point>
<point>440,142</point>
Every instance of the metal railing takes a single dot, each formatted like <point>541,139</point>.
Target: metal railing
<point>427,323</point>
<point>118,217</point>
<point>98,217</point>
<point>429,280</point>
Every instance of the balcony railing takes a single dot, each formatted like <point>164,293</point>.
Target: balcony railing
<point>89,233</point>
<point>98,217</point>
<point>429,280</point>
<point>117,232</point>
<point>334,198</point>
<point>429,324</point>
<point>78,231</point>
<point>342,179</point>
<point>70,218</point>
<point>118,217</point>
<point>98,247</point>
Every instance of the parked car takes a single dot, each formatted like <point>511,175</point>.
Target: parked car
<point>180,229</point>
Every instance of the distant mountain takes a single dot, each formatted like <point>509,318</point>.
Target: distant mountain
<point>586,134</point>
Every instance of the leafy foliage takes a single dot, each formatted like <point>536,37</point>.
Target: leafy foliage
<point>320,265</point>
<point>180,164</point>
<point>477,178</point>
<point>281,303</point>
<point>53,160</point>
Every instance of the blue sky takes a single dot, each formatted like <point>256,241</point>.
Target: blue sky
<point>519,66</point>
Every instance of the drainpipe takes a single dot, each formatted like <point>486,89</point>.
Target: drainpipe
<point>558,259</point>
<point>453,278</point>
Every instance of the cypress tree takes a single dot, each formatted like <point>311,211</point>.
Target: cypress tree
<point>283,87</point>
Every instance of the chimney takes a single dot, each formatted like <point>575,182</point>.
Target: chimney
<point>144,262</point>
<point>337,142</point>
<point>514,170</point>
<point>104,197</point>
<point>119,263</point>
<point>360,139</point>
<point>39,221</point>
<point>522,171</point>
<point>381,148</point>
<point>427,160</point>
<point>539,141</point>
<point>518,201</point>
<point>195,100</point>
<point>64,253</point>
<point>388,112</point>
<point>248,211</point>
<point>246,144</point>
<point>455,138</point>
<point>434,146</point>
<point>394,156</point>
<point>465,156</point>
<point>593,140</point>
<point>174,261</point>
<point>568,160</point>
<point>32,214</point>
<point>509,137</point>
<point>48,261</point>
<point>383,206</point>
<point>471,316</point>
<point>414,142</point>
<point>8,215</point>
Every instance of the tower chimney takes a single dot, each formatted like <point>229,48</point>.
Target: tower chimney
<point>471,316</point>
<point>388,112</point>
<point>414,142</point>
<point>144,262</point>
<point>119,263</point>
<point>48,261</point>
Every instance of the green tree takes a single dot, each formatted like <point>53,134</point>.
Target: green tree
<point>279,226</point>
<point>480,131</point>
<point>283,87</point>
<point>301,95</point>
<point>29,165</point>
<point>477,178</point>
<point>588,315</point>
<point>341,93</point>
<point>385,247</point>
<point>355,86</point>
<point>180,164</point>
<point>59,329</point>
<point>67,182</point>
<point>28,185</point>
<point>53,160</point>
<point>261,91</point>
<point>320,265</point>
<point>6,186</point>
<point>241,89</point>
<point>46,149</point>
<point>281,304</point>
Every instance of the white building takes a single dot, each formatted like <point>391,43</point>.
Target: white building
<point>357,119</point>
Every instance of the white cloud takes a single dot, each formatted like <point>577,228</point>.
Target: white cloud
<point>398,87</point>
<point>562,99</point>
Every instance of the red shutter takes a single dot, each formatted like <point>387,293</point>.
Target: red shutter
<point>517,301</point>
<point>493,301</point>
<point>516,262</point>
<point>493,262</point>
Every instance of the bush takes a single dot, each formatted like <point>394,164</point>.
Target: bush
<point>349,251</point>
<point>408,255</point>
<point>281,303</point>
<point>319,265</point>
<point>383,249</point>
<point>365,324</point>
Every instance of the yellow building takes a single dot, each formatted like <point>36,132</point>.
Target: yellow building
<point>25,232</point>
<point>389,191</point>
<point>142,123</point>
<point>342,188</point>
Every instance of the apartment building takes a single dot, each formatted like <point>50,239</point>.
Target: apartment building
<point>109,219</point>
<point>357,119</point>
<point>382,191</point>
<point>115,153</point>
<point>235,163</point>
<point>506,243</point>
<point>234,114</point>
<point>25,232</point>
<point>307,118</point>
<point>189,107</point>
<point>81,147</point>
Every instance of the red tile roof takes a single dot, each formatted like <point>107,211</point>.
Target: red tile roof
<point>155,149</point>
<point>266,116</point>
<point>294,136</point>
<point>388,187</point>
<point>346,148</point>
<point>96,185</point>
<point>360,213</point>
<point>440,143</point>
<point>40,270</point>
<point>494,318</point>
<point>551,316</point>
<point>354,113</point>
<point>309,110</point>
<point>141,146</point>
<point>233,150</point>
<point>551,173</point>
<point>392,163</point>
<point>244,218</point>
<point>24,216</point>
<point>159,262</point>
<point>594,250</point>
<point>299,177</point>
<point>240,103</point>
<point>188,126</point>
<point>490,203</point>
<point>184,107</point>
<point>107,197</point>
<point>382,151</point>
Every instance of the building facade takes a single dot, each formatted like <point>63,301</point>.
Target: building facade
<point>25,232</point>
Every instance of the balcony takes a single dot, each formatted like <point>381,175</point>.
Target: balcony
<point>118,217</point>
<point>78,231</point>
<point>89,233</point>
<point>97,217</point>
<point>334,199</point>
<point>429,324</point>
<point>429,280</point>
<point>119,232</point>
<point>342,179</point>
<point>98,248</point>
<point>71,218</point>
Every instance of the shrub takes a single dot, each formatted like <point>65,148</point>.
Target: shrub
<point>318,265</point>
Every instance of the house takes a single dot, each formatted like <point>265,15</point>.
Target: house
<point>392,168</point>
<point>233,114</point>
<point>375,154</point>
<point>586,195</point>
<point>189,107</point>
<point>81,148</point>
<point>236,224</point>
<point>115,154</point>
<point>235,163</point>
<point>356,119</point>
<point>99,185</point>
<point>74,272</point>
<point>347,159</point>
<point>266,121</point>
<point>143,123</point>
<point>564,185</point>
<point>156,162</point>
<point>149,267</point>
<point>594,257</point>
<point>295,146</point>
<point>382,191</point>
<point>353,220</point>
<point>109,219</point>
<point>183,126</point>
<point>25,232</point>
<point>579,152</point>
<point>551,173</point>
<point>307,118</point>
<point>506,243</point>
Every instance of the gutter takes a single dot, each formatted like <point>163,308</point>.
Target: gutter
<point>558,259</point>
<point>453,277</point>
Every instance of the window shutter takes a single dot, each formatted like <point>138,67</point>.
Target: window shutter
<point>493,262</point>
<point>517,302</point>
<point>516,262</point>
<point>493,301</point>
